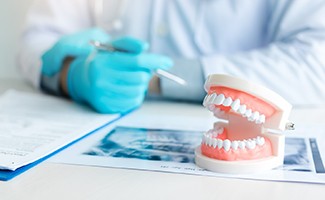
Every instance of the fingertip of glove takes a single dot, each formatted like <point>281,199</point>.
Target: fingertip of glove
<point>131,44</point>
<point>166,62</point>
<point>155,61</point>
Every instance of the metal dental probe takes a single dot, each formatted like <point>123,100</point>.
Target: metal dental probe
<point>159,72</point>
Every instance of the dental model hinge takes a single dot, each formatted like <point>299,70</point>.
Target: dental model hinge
<point>290,126</point>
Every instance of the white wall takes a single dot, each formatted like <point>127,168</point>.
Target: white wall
<point>12,14</point>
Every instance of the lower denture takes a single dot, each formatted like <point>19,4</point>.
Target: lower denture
<point>258,152</point>
<point>239,154</point>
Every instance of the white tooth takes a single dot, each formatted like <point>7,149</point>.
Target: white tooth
<point>254,116</point>
<point>214,143</point>
<point>212,97</point>
<point>261,119</point>
<point>254,144</point>
<point>246,143</point>
<point>235,105</point>
<point>206,140</point>
<point>241,144</point>
<point>242,109</point>
<point>205,100</point>
<point>234,145</point>
<point>227,102</point>
<point>210,141</point>
<point>251,144</point>
<point>220,144</point>
<point>248,113</point>
<point>226,144</point>
<point>219,100</point>
<point>260,140</point>
<point>208,100</point>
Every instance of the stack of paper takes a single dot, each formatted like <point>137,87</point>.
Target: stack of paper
<point>33,126</point>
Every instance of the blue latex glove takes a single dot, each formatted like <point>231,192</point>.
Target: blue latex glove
<point>70,46</point>
<point>115,82</point>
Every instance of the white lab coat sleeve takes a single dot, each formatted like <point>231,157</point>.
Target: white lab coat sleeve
<point>46,22</point>
<point>293,63</point>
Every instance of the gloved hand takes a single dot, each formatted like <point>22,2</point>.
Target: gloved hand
<point>70,46</point>
<point>115,82</point>
<point>109,82</point>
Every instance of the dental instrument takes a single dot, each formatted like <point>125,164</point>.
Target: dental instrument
<point>159,72</point>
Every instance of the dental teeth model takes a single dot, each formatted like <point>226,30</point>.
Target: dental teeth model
<point>246,143</point>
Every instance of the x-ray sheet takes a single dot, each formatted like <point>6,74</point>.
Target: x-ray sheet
<point>173,151</point>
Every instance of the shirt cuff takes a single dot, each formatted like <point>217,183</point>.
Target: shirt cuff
<point>191,71</point>
<point>51,84</point>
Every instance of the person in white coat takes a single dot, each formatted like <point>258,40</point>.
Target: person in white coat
<point>279,44</point>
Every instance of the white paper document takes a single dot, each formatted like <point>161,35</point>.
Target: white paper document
<point>33,126</point>
<point>161,143</point>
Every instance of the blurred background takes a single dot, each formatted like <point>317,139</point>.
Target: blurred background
<point>12,14</point>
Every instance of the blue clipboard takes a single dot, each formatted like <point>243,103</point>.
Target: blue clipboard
<point>6,175</point>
